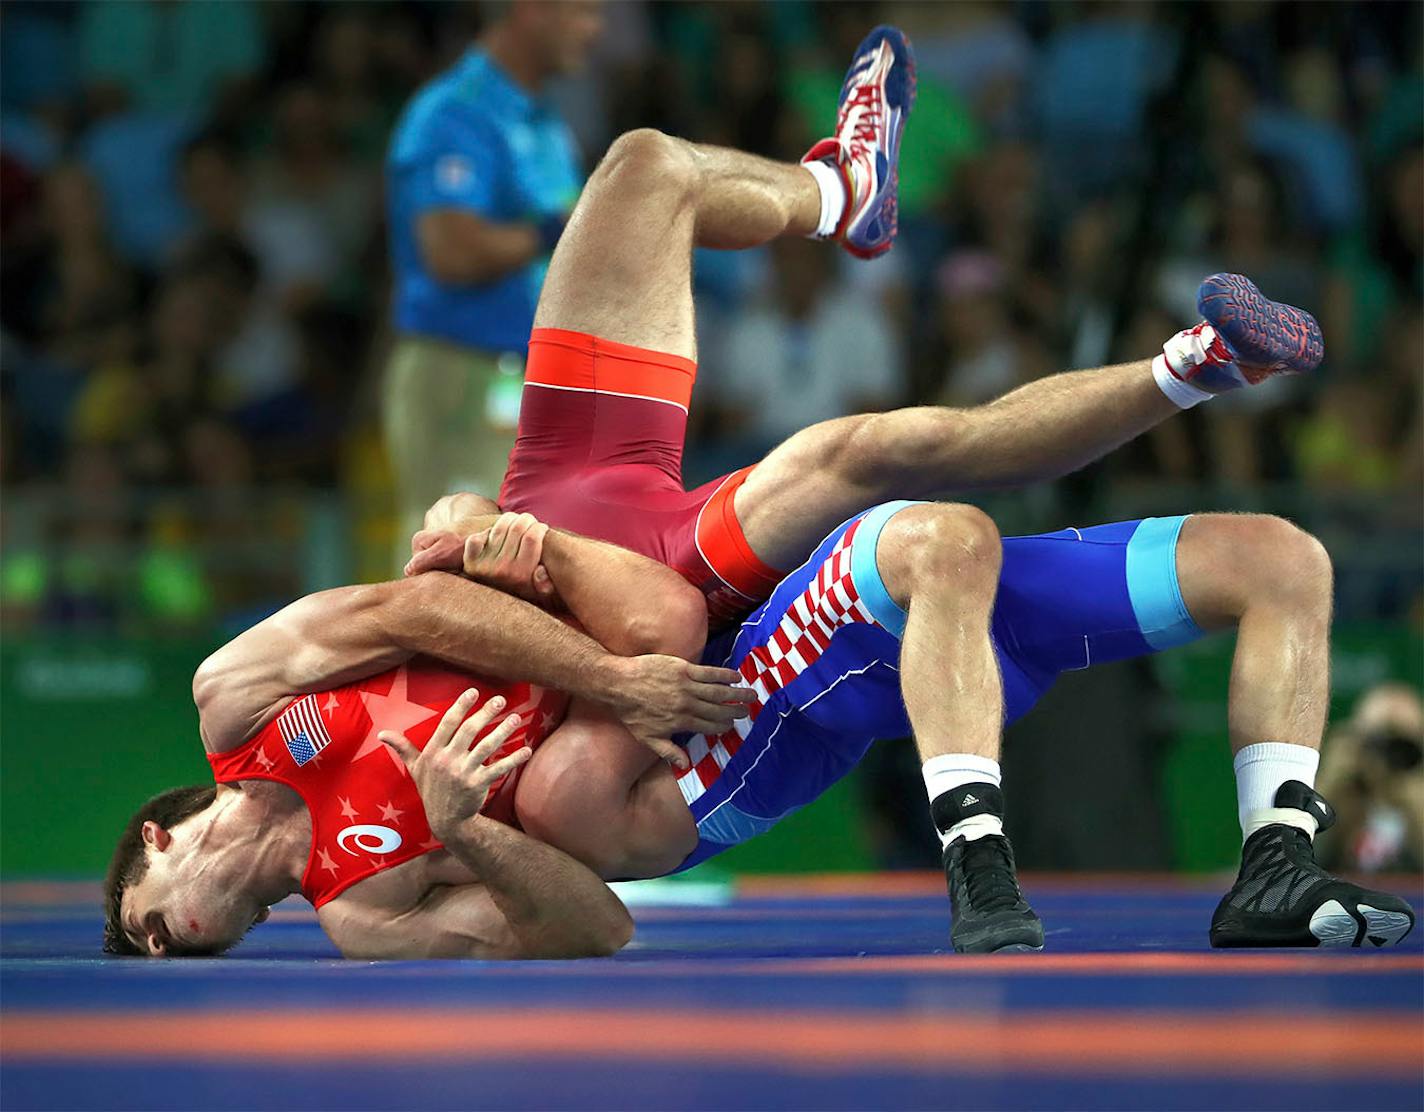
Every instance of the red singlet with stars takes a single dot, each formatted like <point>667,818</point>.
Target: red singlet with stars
<point>366,814</point>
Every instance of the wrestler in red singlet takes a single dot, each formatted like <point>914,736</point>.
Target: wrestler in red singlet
<point>366,813</point>
<point>599,452</point>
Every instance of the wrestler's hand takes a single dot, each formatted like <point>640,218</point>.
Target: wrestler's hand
<point>453,779</point>
<point>435,550</point>
<point>658,696</point>
<point>509,555</point>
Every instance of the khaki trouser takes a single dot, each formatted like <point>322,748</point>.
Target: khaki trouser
<point>449,415</point>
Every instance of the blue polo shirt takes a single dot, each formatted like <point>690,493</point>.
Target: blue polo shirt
<point>472,139</point>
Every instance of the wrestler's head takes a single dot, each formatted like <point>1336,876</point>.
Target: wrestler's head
<point>170,892</point>
<point>558,33</point>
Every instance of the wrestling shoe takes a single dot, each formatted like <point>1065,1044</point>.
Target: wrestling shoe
<point>876,99</point>
<point>1243,339</point>
<point>1283,898</point>
<point>990,913</point>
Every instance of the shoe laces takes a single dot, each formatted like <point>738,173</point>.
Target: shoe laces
<point>1216,352</point>
<point>989,875</point>
<point>867,104</point>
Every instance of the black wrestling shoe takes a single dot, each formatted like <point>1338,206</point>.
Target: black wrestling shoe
<point>990,913</point>
<point>1283,898</point>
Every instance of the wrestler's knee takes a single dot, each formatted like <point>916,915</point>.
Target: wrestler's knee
<point>1255,559</point>
<point>940,543</point>
<point>646,161</point>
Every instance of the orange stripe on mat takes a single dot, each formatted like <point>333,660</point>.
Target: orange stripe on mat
<point>1134,1042</point>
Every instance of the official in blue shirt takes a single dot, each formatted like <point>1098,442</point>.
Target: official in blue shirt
<point>480,177</point>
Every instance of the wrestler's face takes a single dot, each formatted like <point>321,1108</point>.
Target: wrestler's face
<point>187,902</point>
<point>567,30</point>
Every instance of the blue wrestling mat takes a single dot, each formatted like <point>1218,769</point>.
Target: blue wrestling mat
<point>820,993</point>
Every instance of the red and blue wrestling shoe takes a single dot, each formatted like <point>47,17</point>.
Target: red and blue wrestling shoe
<point>876,99</point>
<point>1243,339</point>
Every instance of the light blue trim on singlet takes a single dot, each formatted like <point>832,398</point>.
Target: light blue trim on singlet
<point>729,826</point>
<point>865,572</point>
<point>1152,584</point>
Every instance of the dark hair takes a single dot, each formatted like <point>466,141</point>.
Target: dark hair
<point>130,862</point>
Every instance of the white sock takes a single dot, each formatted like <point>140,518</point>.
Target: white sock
<point>833,197</point>
<point>954,770</point>
<point>1181,393</point>
<point>1260,770</point>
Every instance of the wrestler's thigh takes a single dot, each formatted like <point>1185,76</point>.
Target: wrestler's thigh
<point>801,491</point>
<point>623,267</point>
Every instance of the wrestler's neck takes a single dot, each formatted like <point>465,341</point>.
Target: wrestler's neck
<point>259,835</point>
<point>517,56</point>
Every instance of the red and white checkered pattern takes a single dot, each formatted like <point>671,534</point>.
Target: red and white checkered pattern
<point>804,633</point>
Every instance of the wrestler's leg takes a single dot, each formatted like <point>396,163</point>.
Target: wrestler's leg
<point>623,268</point>
<point>1271,581</point>
<point>940,563</point>
<point>1040,431</point>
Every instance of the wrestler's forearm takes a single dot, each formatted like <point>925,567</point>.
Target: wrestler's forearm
<point>555,906</point>
<point>627,602</point>
<point>483,630</point>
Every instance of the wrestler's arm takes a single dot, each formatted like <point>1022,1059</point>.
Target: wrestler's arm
<point>532,902</point>
<point>627,602</point>
<point>337,636</point>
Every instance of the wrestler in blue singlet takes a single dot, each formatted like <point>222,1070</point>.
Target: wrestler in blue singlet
<point>823,652</point>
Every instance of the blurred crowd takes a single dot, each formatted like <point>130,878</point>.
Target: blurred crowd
<point>193,288</point>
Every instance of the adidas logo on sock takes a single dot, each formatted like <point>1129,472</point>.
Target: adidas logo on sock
<point>968,799</point>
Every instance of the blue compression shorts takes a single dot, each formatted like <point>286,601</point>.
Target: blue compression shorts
<point>823,656</point>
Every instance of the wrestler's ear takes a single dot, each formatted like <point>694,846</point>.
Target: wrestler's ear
<point>156,836</point>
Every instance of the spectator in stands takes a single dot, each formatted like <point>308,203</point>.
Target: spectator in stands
<point>1373,768</point>
<point>177,58</point>
<point>310,176</point>
<point>810,349</point>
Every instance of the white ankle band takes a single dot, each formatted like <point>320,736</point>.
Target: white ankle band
<point>973,828</point>
<point>1181,393</point>
<point>833,197</point>
<point>1287,816</point>
<point>1262,768</point>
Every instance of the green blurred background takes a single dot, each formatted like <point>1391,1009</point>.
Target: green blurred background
<point>190,406</point>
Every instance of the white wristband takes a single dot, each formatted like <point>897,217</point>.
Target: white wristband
<point>1181,393</point>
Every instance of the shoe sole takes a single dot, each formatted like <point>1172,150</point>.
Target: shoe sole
<point>904,59</point>
<point>1262,333</point>
<point>1335,925</point>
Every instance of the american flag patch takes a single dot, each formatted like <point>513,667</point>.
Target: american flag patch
<point>303,730</point>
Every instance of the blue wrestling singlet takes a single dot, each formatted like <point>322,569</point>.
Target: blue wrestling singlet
<point>822,655</point>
